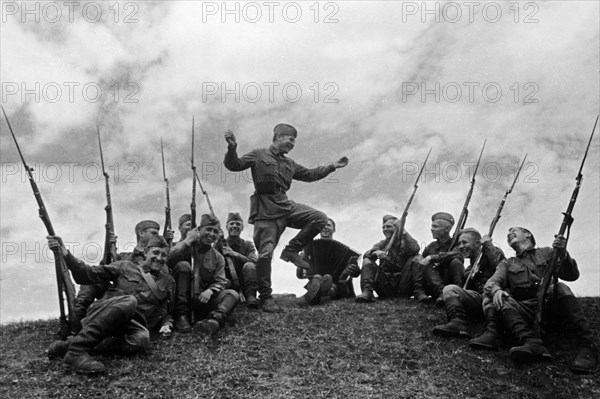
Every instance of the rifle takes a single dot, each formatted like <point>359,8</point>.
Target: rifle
<point>168,206</point>
<point>462,220</point>
<point>398,232</point>
<point>553,266</point>
<point>495,220</point>
<point>63,278</point>
<point>110,248</point>
<point>193,203</point>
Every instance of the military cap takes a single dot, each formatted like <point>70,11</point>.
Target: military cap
<point>145,224</point>
<point>184,218</point>
<point>473,231</point>
<point>158,242</point>
<point>283,129</point>
<point>443,216</point>
<point>388,217</point>
<point>332,222</point>
<point>234,216</point>
<point>209,220</point>
<point>526,231</point>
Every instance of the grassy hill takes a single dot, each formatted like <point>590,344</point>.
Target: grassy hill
<point>337,350</point>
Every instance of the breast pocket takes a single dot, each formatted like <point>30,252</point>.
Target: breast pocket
<point>130,282</point>
<point>518,277</point>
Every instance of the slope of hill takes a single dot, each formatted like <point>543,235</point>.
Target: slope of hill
<point>337,350</point>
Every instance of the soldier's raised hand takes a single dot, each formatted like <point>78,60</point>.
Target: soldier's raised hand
<point>56,243</point>
<point>560,243</point>
<point>169,235</point>
<point>340,163</point>
<point>230,139</point>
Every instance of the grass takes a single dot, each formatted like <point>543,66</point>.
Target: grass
<point>337,350</point>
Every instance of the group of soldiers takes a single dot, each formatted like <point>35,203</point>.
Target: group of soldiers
<point>196,283</point>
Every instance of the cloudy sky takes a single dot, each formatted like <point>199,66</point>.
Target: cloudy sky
<point>379,82</point>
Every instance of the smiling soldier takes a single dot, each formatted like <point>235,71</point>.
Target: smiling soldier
<point>243,255</point>
<point>270,209</point>
<point>138,300</point>
<point>209,301</point>
<point>462,305</point>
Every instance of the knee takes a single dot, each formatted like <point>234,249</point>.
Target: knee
<point>248,267</point>
<point>266,251</point>
<point>320,220</point>
<point>230,293</point>
<point>127,304</point>
<point>451,291</point>
<point>562,290</point>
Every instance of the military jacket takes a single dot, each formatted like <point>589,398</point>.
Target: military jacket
<point>441,252</point>
<point>127,279</point>
<point>490,259</point>
<point>243,247</point>
<point>209,264</point>
<point>398,255</point>
<point>272,174</point>
<point>521,275</point>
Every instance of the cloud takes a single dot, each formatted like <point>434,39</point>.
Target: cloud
<point>373,87</point>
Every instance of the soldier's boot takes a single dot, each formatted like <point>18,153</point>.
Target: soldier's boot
<point>251,300</point>
<point>313,290</point>
<point>58,349</point>
<point>269,305</point>
<point>326,285</point>
<point>102,325</point>
<point>417,274</point>
<point>532,348</point>
<point>490,338</point>
<point>216,319</point>
<point>182,324</point>
<point>291,251</point>
<point>457,320</point>
<point>366,286</point>
<point>182,274</point>
<point>586,360</point>
<point>289,255</point>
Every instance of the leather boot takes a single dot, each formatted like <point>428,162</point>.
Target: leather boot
<point>586,361</point>
<point>587,357</point>
<point>313,290</point>
<point>182,324</point>
<point>289,255</point>
<point>457,324</point>
<point>366,296</point>
<point>326,284</point>
<point>58,349</point>
<point>102,325</point>
<point>490,338</point>
<point>268,305</point>
<point>532,348</point>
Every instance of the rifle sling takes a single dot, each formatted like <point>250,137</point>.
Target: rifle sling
<point>151,284</point>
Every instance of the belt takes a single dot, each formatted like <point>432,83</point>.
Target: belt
<point>278,190</point>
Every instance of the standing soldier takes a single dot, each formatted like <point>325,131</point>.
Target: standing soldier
<point>138,301</point>
<point>270,209</point>
<point>398,273</point>
<point>513,289</point>
<point>463,304</point>
<point>207,297</point>
<point>441,267</point>
<point>243,255</point>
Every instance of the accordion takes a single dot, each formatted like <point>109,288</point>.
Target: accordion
<point>327,256</point>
